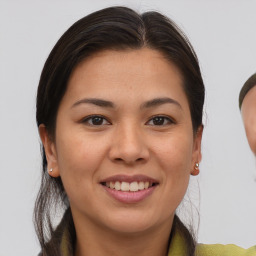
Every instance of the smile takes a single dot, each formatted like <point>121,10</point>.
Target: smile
<point>129,189</point>
<point>126,186</point>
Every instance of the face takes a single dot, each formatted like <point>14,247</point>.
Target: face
<point>124,144</point>
<point>249,117</point>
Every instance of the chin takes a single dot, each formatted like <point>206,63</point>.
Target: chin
<point>131,228</point>
<point>132,223</point>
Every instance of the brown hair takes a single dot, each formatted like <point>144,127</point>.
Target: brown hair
<point>114,28</point>
<point>251,82</point>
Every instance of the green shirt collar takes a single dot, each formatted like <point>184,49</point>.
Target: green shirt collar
<point>177,246</point>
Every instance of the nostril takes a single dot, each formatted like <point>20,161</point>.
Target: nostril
<point>119,159</point>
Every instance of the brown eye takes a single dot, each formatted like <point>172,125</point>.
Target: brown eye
<point>160,120</point>
<point>96,120</point>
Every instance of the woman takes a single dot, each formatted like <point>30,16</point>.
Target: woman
<point>119,111</point>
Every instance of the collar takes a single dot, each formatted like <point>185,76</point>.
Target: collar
<point>177,246</point>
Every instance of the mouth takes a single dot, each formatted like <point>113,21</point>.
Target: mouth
<point>129,189</point>
<point>133,186</point>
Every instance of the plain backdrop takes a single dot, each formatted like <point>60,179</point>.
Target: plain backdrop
<point>223,35</point>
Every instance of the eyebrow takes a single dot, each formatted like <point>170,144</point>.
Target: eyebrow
<point>148,104</point>
<point>97,102</point>
<point>160,101</point>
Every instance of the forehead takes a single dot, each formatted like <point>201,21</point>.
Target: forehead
<point>143,61</point>
<point>134,74</point>
<point>121,66</point>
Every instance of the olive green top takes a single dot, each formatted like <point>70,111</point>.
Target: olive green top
<point>178,248</point>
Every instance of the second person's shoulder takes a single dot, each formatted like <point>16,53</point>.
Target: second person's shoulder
<point>224,250</point>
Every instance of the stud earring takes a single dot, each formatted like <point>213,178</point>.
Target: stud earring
<point>51,170</point>
<point>196,170</point>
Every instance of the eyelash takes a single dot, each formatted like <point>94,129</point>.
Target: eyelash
<point>90,118</point>
<point>167,120</point>
<point>164,120</point>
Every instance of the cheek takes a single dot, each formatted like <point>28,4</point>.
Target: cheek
<point>78,162</point>
<point>78,159</point>
<point>175,154</point>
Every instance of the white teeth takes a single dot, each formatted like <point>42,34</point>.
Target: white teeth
<point>112,184</point>
<point>126,186</point>
<point>134,186</point>
<point>141,185</point>
<point>117,185</point>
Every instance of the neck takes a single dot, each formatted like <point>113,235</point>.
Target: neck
<point>98,241</point>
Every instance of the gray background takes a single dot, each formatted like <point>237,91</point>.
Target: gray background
<point>223,35</point>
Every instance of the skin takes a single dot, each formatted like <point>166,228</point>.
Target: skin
<point>248,111</point>
<point>127,142</point>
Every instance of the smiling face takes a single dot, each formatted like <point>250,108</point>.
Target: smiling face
<point>248,110</point>
<point>124,144</point>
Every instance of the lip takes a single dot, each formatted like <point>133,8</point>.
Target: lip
<point>129,197</point>
<point>127,178</point>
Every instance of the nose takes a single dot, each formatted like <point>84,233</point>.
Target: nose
<point>129,145</point>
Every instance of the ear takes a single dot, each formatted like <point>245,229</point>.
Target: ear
<point>197,154</point>
<point>50,151</point>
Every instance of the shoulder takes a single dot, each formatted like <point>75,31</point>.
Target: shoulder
<point>224,250</point>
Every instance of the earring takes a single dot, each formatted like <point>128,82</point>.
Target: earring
<point>196,170</point>
<point>51,170</point>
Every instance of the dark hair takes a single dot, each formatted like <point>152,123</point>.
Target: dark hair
<point>251,82</point>
<point>116,28</point>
